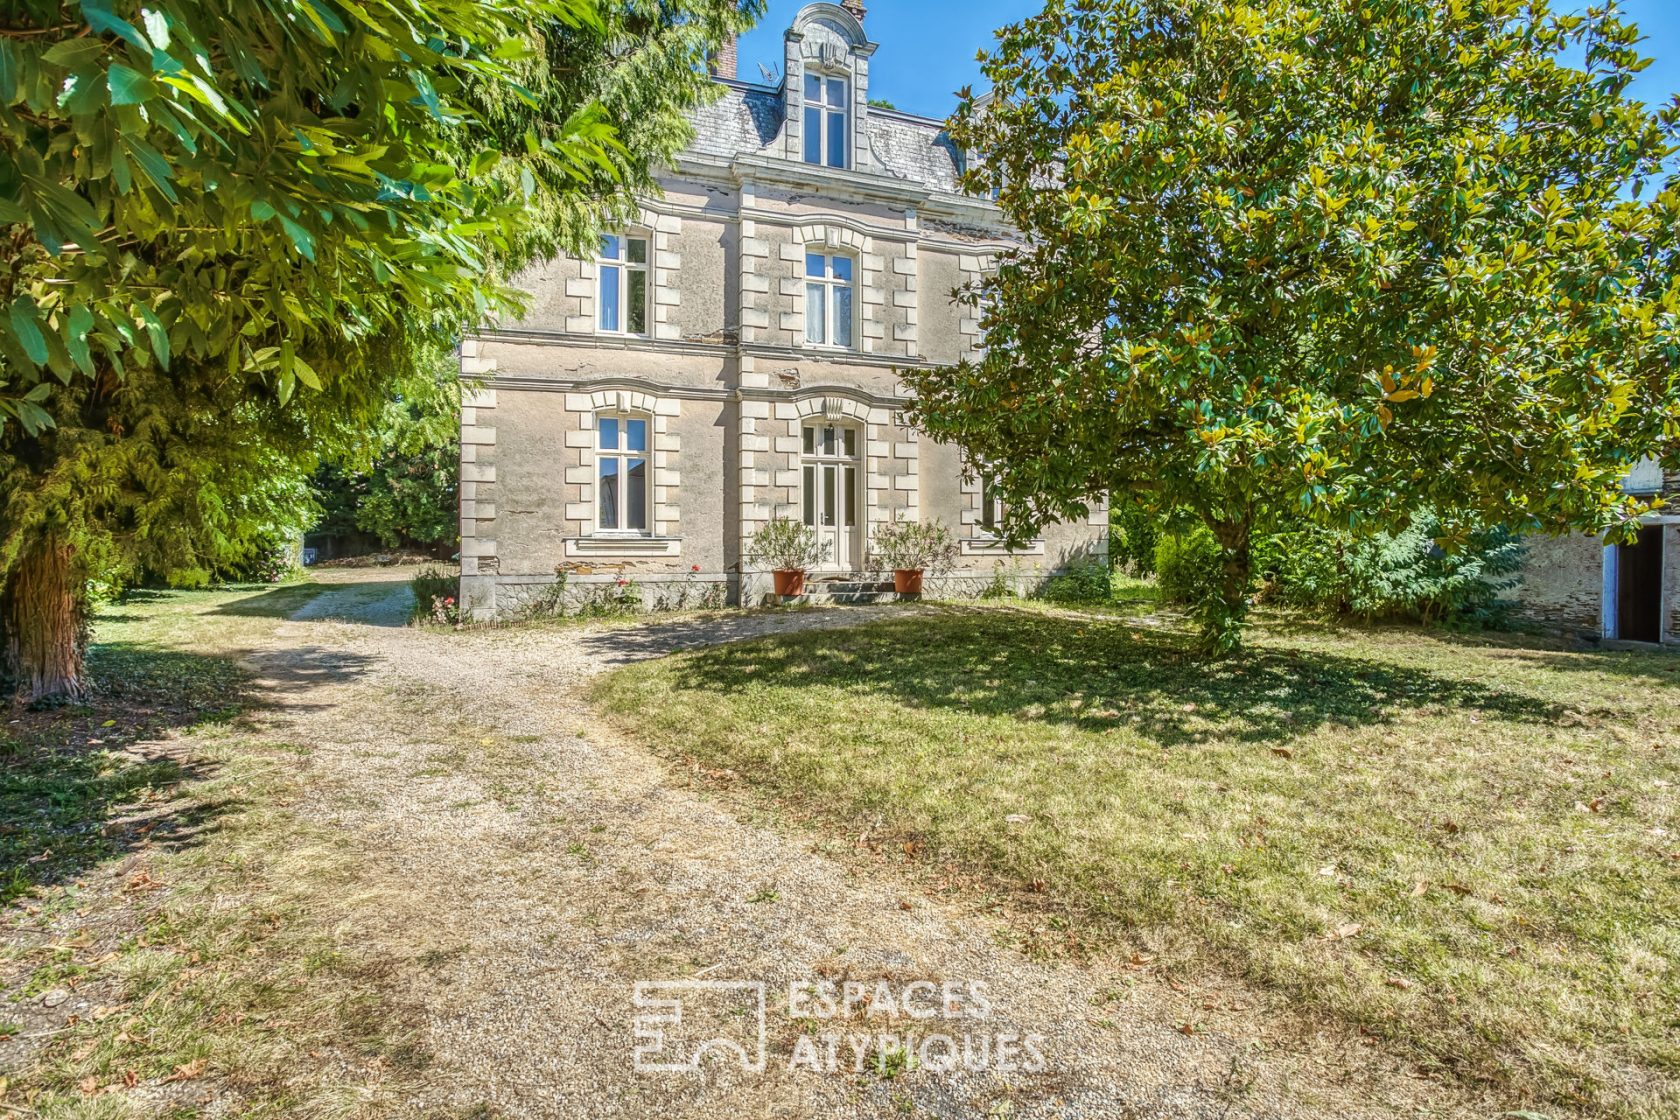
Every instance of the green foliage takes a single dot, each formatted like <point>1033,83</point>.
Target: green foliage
<point>167,173</point>
<point>1133,531</point>
<point>1289,258</point>
<point>1192,569</point>
<point>782,544</point>
<point>999,587</point>
<point>1403,575</point>
<point>1083,582</point>
<point>401,485</point>
<point>233,228</point>
<point>912,545</point>
<point>434,596</point>
<point>643,65</point>
<point>1187,565</point>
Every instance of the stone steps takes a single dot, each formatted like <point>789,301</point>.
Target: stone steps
<point>854,590</point>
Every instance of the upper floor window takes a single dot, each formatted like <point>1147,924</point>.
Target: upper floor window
<point>622,291</point>
<point>623,482</point>
<point>828,300</point>
<point>827,117</point>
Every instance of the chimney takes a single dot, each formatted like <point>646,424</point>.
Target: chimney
<point>725,60</point>
<point>855,7</point>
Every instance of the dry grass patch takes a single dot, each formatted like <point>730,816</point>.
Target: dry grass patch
<point>170,947</point>
<point>1469,847</point>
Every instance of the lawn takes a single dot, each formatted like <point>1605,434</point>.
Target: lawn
<point>151,866</point>
<point>1468,846</point>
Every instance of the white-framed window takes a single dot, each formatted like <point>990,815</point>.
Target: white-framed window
<point>991,508</point>
<point>622,290</point>
<point>623,472</point>
<point>828,300</point>
<point>827,120</point>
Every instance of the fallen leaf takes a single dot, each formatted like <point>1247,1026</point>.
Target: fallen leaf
<point>1283,752</point>
<point>88,1085</point>
<point>1421,889</point>
<point>191,1071</point>
<point>1141,959</point>
<point>1399,982</point>
<point>1343,932</point>
<point>1459,889</point>
<point>1187,1028</point>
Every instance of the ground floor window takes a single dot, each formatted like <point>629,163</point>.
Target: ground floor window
<point>623,478</point>
<point>991,508</point>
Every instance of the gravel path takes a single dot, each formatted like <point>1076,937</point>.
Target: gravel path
<point>524,869</point>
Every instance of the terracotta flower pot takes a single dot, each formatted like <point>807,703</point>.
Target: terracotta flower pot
<point>790,582</point>
<point>907,581</point>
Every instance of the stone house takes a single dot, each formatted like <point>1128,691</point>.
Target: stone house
<point>1581,586</point>
<point>734,357</point>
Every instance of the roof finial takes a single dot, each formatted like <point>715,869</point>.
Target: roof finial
<point>855,7</point>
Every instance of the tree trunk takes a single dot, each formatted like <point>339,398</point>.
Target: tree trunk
<point>43,623</point>
<point>1222,618</point>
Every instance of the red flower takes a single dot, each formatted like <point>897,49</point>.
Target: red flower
<point>695,568</point>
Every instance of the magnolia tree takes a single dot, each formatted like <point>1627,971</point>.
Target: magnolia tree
<point>1319,258</point>
<point>233,228</point>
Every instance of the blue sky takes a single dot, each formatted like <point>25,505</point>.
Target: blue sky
<point>928,46</point>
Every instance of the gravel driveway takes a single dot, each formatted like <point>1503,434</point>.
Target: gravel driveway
<point>524,869</point>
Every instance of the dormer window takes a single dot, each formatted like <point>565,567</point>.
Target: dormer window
<point>827,120</point>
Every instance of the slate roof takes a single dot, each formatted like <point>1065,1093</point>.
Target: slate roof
<point>747,120</point>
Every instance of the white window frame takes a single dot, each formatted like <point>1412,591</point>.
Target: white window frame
<point>844,457</point>
<point>624,456</point>
<point>829,116</point>
<point>829,286</point>
<point>624,266</point>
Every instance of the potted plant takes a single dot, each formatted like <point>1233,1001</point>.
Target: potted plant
<point>910,550</point>
<point>787,548</point>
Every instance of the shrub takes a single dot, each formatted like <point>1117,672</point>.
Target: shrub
<point>434,596</point>
<point>785,545</point>
<point>1085,582</point>
<point>999,587</point>
<point>1133,533</point>
<point>910,545</point>
<point>1188,566</point>
<point>1405,575</point>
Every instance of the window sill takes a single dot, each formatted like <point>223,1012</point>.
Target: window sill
<point>607,544</point>
<point>992,546</point>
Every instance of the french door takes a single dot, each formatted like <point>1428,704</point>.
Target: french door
<point>830,477</point>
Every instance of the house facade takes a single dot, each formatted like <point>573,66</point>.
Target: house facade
<point>1586,588</point>
<point>734,357</point>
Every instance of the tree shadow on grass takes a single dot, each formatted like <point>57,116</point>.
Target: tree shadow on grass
<point>85,783</point>
<point>1099,675</point>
